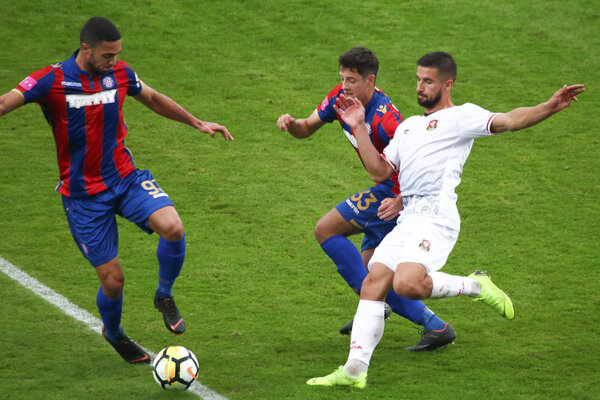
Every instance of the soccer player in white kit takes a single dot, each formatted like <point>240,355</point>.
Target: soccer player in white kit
<point>428,152</point>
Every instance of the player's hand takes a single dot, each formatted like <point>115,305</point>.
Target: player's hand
<point>212,127</point>
<point>564,96</point>
<point>285,121</point>
<point>390,208</point>
<point>350,109</point>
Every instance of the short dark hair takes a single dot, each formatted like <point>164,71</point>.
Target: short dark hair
<point>363,60</point>
<point>444,62</point>
<point>97,30</point>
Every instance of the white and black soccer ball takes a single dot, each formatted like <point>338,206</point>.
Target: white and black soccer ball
<point>175,368</point>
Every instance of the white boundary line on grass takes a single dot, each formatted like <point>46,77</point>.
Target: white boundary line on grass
<point>76,312</point>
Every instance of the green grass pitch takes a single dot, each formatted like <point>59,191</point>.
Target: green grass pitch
<point>262,302</point>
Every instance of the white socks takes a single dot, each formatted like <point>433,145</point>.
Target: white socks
<point>367,330</point>
<point>445,285</point>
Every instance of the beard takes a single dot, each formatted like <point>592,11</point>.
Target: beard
<point>430,102</point>
<point>95,68</point>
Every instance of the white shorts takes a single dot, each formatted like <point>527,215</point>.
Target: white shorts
<point>416,239</point>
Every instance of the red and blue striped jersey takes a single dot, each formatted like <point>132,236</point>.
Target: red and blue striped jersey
<point>86,117</point>
<point>381,116</point>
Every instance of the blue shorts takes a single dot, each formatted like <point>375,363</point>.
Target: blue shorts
<point>360,210</point>
<point>92,219</point>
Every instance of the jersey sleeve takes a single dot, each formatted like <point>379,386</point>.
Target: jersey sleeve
<point>325,110</point>
<point>475,121</point>
<point>390,121</point>
<point>135,85</point>
<point>37,86</point>
<point>391,153</point>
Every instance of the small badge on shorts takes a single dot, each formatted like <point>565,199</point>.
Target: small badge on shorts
<point>425,245</point>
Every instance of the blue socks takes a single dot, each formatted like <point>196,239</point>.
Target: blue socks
<point>170,260</point>
<point>348,260</point>
<point>110,312</point>
<point>350,266</point>
<point>431,321</point>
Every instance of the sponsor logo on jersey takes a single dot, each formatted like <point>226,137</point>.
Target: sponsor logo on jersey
<point>108,82</point>
<point>324,104</point>
<point>84,100</point>
<point>432,124</point>
<point>71,84</point>
<point>425,245</point>
<point>28,83</point>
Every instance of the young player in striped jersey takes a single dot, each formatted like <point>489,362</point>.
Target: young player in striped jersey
<point>82,99</point>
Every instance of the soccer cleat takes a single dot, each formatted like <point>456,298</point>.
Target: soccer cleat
<point>173,320</point>
<point>129,350</point>
<point>433,339</point>
<point>347,329</point>
<point>339,377</point>
<point>492,295</point>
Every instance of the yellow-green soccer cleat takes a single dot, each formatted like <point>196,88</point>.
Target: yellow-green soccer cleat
<point>339,377</point>
<point>492,295</point>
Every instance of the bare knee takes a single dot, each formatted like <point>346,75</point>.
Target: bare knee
<point>373,289</point>
<point>167,224</point>
<point>111,278</point>
<point>173,230</point>
<point>114,284</point>
<point>322,230</point>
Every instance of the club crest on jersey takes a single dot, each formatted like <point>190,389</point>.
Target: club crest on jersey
<point>108,82</point>
<point>425,245</point>
<point>432,124</point>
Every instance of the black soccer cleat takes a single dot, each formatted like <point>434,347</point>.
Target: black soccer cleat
<point>173,320</point>
<point>347,329</point>
<point>129,350</point>
<point>433,339</point>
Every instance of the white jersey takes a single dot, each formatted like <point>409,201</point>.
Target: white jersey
<point>429,153</point>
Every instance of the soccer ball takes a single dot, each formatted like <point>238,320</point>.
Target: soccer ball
<point>175,368</point>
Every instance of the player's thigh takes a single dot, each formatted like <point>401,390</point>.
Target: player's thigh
<point>140,197</point>
<point>93,226</point>
<point>333,223</point>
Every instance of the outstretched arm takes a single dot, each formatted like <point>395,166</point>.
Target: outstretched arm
<point>524,117</point>
<point>300,128</point>
<point>163,105</point>
<point>11,101</point>
<point>352,112</point>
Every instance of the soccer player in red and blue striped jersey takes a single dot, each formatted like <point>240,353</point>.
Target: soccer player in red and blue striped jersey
<point>82,99</point>
<point>373,211</point>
